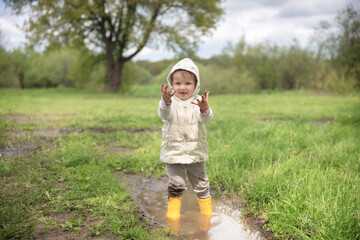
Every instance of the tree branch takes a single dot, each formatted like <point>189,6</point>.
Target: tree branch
<point>147,33</point>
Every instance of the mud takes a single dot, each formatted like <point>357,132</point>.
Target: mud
<point>321,122</point>
<point>271,120</point>
<point>49,134</point>
<point>19,150</point>
<point>227,221</point>
<point>315,122</point>
<point>45,132</point>
<point>60,231</point>
<point>49,118</point>
<point>61,131</point>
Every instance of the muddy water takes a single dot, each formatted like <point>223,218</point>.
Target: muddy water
<point>226,222</point>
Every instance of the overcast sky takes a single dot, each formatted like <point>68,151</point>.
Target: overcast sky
<point>277,21</point>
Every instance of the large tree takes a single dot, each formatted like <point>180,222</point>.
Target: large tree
<point>120,28</point>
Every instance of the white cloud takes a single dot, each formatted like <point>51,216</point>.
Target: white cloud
<point>153,54</point>
<point>12,35</point>
<point>306,8</point>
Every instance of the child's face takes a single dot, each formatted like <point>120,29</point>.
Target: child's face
<point>184,84</point>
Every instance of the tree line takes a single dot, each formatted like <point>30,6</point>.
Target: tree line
<point>119,29</point>
<point>332,65</point>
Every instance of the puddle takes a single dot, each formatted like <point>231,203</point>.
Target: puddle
<point>271,121</point>
<point>46,118</point>
<point>25,149</point>
<point>140,130</point>
<point>321,122</point>
<point>226,222</point>
<point>316,122</point>
<point>9,153</point>
<point>46,132</point>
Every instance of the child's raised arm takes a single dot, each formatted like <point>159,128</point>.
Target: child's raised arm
<point>203,103</point>
<point>166,95</point>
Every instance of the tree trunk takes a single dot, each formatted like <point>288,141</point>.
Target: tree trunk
<point>21,80</point>
<point>113,75</point>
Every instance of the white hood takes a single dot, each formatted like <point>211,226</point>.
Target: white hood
<point>188,65</point>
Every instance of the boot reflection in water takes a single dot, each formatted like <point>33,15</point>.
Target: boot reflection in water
<point>206,212</point>
<point>173,214</point>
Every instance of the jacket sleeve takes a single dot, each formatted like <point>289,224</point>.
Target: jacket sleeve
<point>207,116</point>
<point>164,110</point>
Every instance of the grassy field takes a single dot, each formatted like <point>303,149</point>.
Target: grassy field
<point>293,156</point>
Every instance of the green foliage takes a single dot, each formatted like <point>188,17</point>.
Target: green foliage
<point>154,68</point>
<point>219,80</point>
<point>71,66</point>
<point>162,76</point>
<point>52,69</point>
<point>349,41</point>
<point>7,76</point>
<point>89,71</point>
<point>13,66</point>
<point>133,74</point>
<point>244,68</point>
<point>146,91</point>
<point>342,45</point>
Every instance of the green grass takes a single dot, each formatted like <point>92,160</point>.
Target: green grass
<point>293,156</point>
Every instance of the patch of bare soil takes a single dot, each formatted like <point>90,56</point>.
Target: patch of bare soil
<point>259,223</point>
<point>60,131</point>
<point>271,120</point>
<point>141,130</point>
<point>316,122</point>
<point>132,130</point>
<point>26,146</point>
<point>321,122</point>
<point>57,229</point>
<point>18,149</point>
<point>136,183</point>
<point>46,118</point>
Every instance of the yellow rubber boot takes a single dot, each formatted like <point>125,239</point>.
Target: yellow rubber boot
<point>205,206</point>
<point>206,212</point>
<point>173,214</point>
<point>174,206</point>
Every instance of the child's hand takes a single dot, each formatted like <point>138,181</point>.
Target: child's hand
<point>203,103</point>
<point>166,95</point>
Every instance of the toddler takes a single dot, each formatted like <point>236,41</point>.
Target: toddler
<point>184,146</point>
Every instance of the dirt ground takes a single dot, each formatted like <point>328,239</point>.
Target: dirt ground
<point>136,183</point>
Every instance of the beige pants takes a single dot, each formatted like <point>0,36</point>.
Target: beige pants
<point>196,173</point>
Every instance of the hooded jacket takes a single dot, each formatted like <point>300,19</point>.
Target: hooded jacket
<point>184,132</point>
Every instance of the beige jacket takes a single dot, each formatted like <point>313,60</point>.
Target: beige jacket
<point>184,132</point>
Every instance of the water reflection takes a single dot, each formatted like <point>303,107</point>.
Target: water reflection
<point>226,222</point>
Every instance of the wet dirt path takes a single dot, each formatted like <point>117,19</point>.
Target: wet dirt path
<point>226,222</point>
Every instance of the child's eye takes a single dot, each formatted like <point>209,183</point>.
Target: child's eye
<point>188,83</point>
<point>177,83</point>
